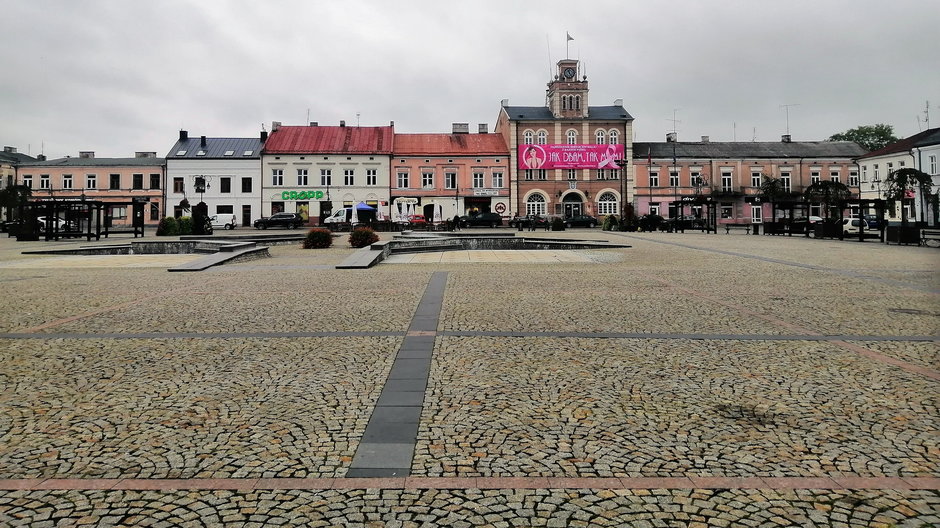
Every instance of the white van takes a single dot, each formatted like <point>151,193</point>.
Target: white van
<point>340,216</point>
<point>227,221</point>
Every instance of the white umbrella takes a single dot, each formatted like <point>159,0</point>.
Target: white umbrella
<point>438,213</point>
<point>379,216</point>
<point>355,215</point>
<point>409,210</point>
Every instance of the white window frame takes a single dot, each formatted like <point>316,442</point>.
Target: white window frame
<point>403,180</point>
<point>535,204</point>
<point>571,137</point>
<point>450,180</point>
<point>756,178</point>
<point>600,137</point>
<point>91,181</point>
<point>727,181</point>
<point>785,181</point>
<point>277,177</point>
<point>497,179</point>
<point>427,180</point>
<point>67,181</point>
<point>528,137</point>
<point>349,177</point>
<point>654,178</point>
<point>372,177</point>
<point>613,137</point>
<point>326,177</point>
<point>44,181</point>
<point>302,175</point>
<point>542,137</point>
<point>478,180</point>
<point>607,204</point>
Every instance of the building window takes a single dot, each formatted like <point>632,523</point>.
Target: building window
<point>726,209</point>
<point>497,180</point>
<point>277,207</point>
<point>572,174</point>
<point>91,181</point>
<point>326,177</point>
<point>427,180</point>
<point>601,174</point>
<point>542,137</point>
<point>755,179</point>
<point>372,177</point>
<point>224,209</point>
<point>66,181</point>
<point>542,174</point>
<point>154,211</point>
<point>527,137</point>
<point>600,137</point>
<point>834,176</point>
<point>119,213</point>
<point>853,178</point>
<point>572,137</point>
<point>137,182</point>
<point>450,180</point>
<point>246,185</point>
<point>607,204</point>
<point>115,182</point>
<point>225,185</point>
<point>402,180</point>
<point>726,184</point>
<point>528,174</point>
<point>28,181</point>
<point>673,178</point>
<point>477,180</point>
<point>875,166</point>
<point>577,102</point>
<point>695,179</point>
<point>654,208</point>
<point>277,177</point>
<point>178,186</point>
<point>302,177</point>
<point>654,179</point>
<point>535,205</point>
<point>154,181</point>
<point>613,137</point>
<point>44,181</point>
<point>613,174</point>
<point>814,177</point>
<point>932,164</point>
<point>349,177</point>
<point>785,181</point>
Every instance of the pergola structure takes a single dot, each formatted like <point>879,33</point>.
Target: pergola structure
<point>706,203</point>
<point>80,218</point>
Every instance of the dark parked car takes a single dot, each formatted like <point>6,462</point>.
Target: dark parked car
<point>581,221</point>
<point>288,220</point>
<point>526,221</point>
<point>482,219</point>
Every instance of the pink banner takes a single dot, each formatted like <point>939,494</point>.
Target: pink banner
<point>570,156</point>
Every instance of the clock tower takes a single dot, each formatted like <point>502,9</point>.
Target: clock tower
<point>567,95</point>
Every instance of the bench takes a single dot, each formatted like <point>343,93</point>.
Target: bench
<point>930,237</point>
<point>729,227</point>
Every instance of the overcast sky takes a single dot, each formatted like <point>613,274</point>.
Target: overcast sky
<point>119,76</point>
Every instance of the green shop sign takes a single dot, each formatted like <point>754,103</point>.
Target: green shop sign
<point>301,195</point>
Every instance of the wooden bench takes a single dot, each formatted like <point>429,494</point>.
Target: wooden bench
<point>930,237</point>
<point>729,227</point>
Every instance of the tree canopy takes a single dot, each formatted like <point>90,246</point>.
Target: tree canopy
<point>902,181</point>
<point>827,192</point>
<point>871,137</point>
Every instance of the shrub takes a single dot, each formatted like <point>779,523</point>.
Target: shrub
<point>362,237</point>
<point>168,227</point>
<point>558,224</point>
<point>318,238</point>
<point>185,225</point>
<point>610,223</point>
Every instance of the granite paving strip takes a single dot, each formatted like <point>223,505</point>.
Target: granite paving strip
<point>388,443</point>
<point>649,483</point>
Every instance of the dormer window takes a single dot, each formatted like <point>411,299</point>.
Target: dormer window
<point>229,152</point>
<point>248,153</point>
<point>181,153</point>
<point>201,153</point>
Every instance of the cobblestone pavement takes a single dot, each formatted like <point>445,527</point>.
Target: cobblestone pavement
<point>474,507</point>
<point>766,357</point>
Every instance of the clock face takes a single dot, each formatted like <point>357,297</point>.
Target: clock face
<point>569,72</point>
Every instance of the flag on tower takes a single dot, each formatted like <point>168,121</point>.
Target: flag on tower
<point>569,36</point>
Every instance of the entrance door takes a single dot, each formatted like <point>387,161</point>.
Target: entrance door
<point>246,216</point>
<point>572,205</point>
<point>757,214</point>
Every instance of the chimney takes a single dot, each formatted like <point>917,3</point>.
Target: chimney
<point>275,125</point>
<point>461,128</point>
<point>342,122</point>
<point>202,141</point>
<point>184,135</point>
<point>9,150</point>
<point>86,154</point>
<point>618,102</point>
<point>391,124</point>
<point>504,102</point>
<point>785,138</point>
<point>41,157</point>
<point>314,123</point>
<point>670,137</point>
<point>482,128</point>
<point>145,154</point>
<point>264,136</point>
<point>706,139</point>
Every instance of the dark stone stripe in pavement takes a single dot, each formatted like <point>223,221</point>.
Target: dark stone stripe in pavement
<point>388,443</point>
<point>371,478</point>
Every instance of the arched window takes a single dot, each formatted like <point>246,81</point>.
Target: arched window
<point>600,137</point>
<point>527,137</point>
<point>577,102</point>
<point>607,204</point>
<point>572,137</point>
<point>542,137</point>
<point>535,204</point>
<point>613,136</point>
<point>564,102</point>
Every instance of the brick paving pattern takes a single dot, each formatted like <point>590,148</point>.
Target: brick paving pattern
<point>754,387</point>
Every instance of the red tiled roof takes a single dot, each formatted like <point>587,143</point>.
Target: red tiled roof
<point>330,140</point>
<point>930,136</point>
<point>450,144</point>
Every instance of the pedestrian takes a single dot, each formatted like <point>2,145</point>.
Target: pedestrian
<point>456,223</point>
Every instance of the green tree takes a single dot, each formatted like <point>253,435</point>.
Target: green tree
<point>771,190</point>
<point>871,137</point>
<point>902,181</point>
<point>828,193</point>
<point>12,197</point>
